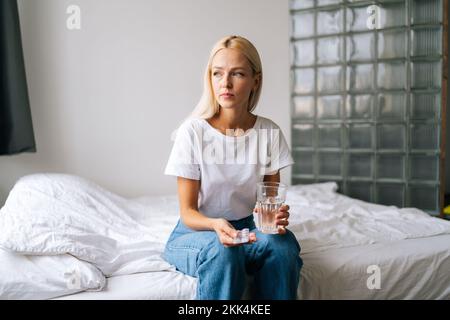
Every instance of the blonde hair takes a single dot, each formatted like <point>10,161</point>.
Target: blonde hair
<point>207,107</point>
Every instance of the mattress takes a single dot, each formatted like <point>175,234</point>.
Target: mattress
<point>409,269</point>
<point>164,285</point>
<point>350,249</point>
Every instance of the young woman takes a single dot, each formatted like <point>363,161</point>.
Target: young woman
<point>219,155</point>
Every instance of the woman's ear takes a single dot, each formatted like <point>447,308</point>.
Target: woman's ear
<point>257,81</point>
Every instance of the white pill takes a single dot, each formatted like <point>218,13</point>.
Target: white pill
<point>242,236</point>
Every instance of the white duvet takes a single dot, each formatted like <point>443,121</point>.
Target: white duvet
<point>77,225</point>
<point>45,277</point>
<point>323,219</point>
<point>62,216</point>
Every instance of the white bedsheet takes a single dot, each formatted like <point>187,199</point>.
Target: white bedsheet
<point>54,214</point>
<point>409,269</point>
<point>158,285</point>
<point>323,219</point>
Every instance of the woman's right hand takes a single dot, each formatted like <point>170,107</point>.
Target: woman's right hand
<point>226,233</point>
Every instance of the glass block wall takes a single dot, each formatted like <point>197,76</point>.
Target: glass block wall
<point>366,98</point>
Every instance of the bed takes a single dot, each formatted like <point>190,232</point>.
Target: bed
<point>72,239</point>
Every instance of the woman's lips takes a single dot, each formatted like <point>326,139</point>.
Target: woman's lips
<point>227,95</point>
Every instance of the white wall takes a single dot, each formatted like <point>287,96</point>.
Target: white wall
<point>104,99</point>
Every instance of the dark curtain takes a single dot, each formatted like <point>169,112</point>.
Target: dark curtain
<point>16,128</point>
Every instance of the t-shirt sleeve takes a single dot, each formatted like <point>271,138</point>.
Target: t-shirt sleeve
<point>182,160</point>
<point>280,156</point>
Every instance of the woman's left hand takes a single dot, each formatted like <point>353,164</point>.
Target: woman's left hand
<point>281,218</point>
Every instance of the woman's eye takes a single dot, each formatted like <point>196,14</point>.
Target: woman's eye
<point>238,74</point>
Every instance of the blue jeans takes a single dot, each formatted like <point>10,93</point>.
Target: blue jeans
<point>273,261</point>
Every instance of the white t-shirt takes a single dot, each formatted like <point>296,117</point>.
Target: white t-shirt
<point>228,167</point>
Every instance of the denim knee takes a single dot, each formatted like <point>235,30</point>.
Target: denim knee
<point>221,272</point>
<point>222,255</point>
<point>284,248</point>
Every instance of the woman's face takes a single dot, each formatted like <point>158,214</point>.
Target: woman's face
<point>232,79</point>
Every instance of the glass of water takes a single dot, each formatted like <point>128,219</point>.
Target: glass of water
<point>270,196</point>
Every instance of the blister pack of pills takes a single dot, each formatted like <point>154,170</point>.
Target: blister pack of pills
<point>242,236</point>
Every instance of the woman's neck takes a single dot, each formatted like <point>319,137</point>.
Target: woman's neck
<point>228,123</point>
<point>233,119</point>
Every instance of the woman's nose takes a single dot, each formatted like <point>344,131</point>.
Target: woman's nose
<point>226,83</point>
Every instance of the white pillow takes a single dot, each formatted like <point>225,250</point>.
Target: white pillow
<point>45,277</point>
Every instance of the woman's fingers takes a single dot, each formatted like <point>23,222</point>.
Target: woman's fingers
<point>283,212</point>
<point>227,241</point>
<point>282,218</point>
<point>281,230</point>
<point>227,236</point>
<point>227,233</point>
<point>282,222</point>
<point>230,232</point>
<point>282,215</point>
